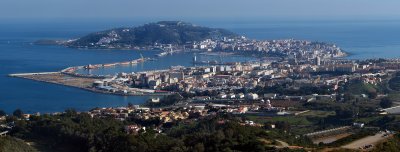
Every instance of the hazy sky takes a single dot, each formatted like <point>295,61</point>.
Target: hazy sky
<point>181,9</point>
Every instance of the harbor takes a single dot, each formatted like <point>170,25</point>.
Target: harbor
<point>90,66</point>
<point>92,77</point>
<point>69,77</point>
<point>20,57</point>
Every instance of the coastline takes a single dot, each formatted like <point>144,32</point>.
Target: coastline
<point>43,79</point>
<point>69,77</point>
<point>85,82</point>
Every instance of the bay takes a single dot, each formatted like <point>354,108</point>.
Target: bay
<point>363,39</point>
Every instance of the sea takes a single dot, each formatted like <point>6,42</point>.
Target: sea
<point>362,39</point>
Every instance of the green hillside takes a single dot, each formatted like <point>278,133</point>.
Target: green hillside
<point>9,144</point>
<point>164,32</point>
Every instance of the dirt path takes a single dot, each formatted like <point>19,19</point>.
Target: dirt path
<point>365,141</point>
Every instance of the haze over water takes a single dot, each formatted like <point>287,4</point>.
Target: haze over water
<point>363,39</point>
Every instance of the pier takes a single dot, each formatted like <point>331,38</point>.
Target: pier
<point>69,77</point>
<point>133,62</point>
<point>27,74</point>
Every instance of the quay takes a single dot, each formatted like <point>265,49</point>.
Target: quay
<point>133,62</point>
<point>69,77</point>
<point>27,74</point>
<point>85,83</point>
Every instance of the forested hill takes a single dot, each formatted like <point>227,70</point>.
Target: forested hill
<point>163,32</point>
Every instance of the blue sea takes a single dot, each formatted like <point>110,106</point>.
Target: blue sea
<point>363,39</point>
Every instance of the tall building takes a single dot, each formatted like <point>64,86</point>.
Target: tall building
<point>317,60</point>
<point>178,75</point>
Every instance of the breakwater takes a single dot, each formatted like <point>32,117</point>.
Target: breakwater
<point>69,77</point>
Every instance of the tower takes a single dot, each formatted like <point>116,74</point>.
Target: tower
<point>317,60</point>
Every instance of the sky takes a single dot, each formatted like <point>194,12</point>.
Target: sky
<point>202,9</point>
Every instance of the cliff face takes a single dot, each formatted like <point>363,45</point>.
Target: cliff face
<point>164,32</point>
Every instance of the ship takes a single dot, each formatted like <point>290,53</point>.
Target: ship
<point>126,63</point>
<point>89,66</point>
<point>162,54</point>
<point>109,65</point>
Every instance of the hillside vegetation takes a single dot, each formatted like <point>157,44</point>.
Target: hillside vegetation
<point>164,32</point>
<point>394,83</point>
<point>9,144</point>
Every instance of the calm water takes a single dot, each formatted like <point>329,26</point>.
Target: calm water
<point>165,62</point>
<point>366,39</point>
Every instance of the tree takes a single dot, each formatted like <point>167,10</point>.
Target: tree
<point>386,103</point>
<point>70,112</point>
<point>9,143</point>
<point>199,147</point>
<point>372,94</point>
<point>392,144</point>
<point>283,125</point>
<point>130,105</point>
<point>2,113</point>
<point>11,119</point>
<point>18,113</point>
<point>345,112</point>
<point>347,97</point>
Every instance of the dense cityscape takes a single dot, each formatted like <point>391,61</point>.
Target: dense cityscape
<point>254,76</point>
<point>297,80</point>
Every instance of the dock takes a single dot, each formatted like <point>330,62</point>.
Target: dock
<point>27,74</point>
<point>69,77</point>
<point>80,82</point>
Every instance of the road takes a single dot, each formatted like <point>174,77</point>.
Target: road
<point>283,144</point>
<point>331,139</point>
<point>393,110</point>
<point>365,141</point>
